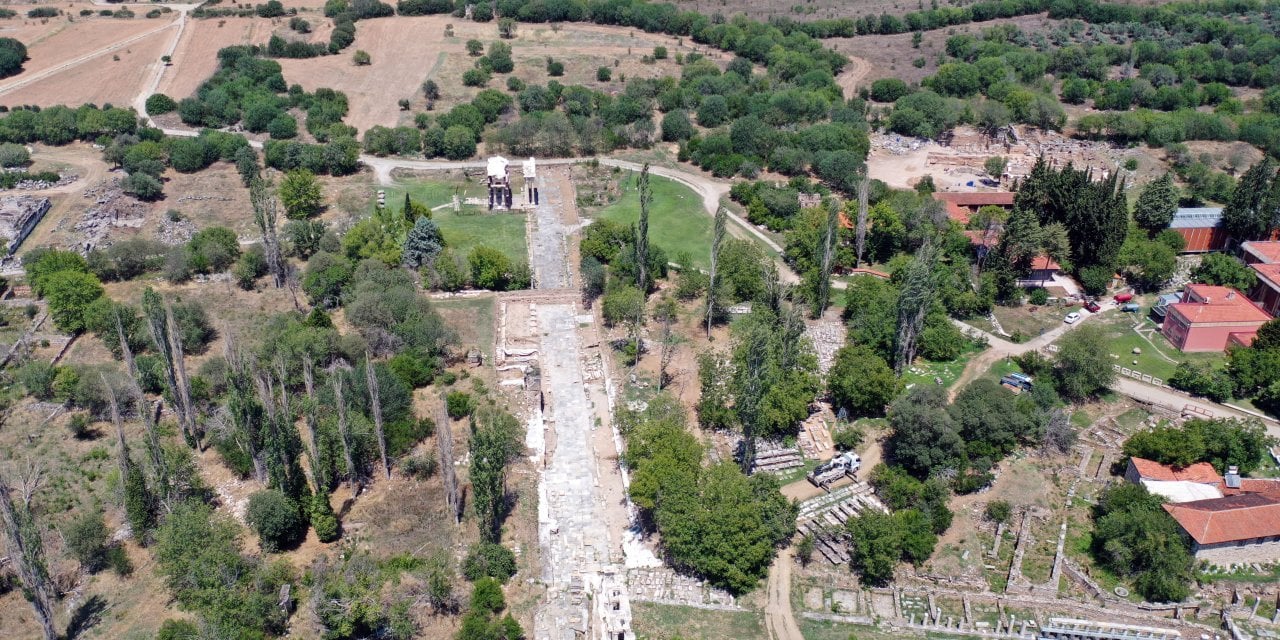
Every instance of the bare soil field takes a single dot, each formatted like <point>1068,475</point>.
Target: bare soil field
<point>408,50</point>
<point>196,57</point>
<point>808,10</point>
<point>84,82</point>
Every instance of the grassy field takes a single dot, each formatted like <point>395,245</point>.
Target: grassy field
<point>1157,358</point>
<point>472,226</point>
<point>660,621</point>
<point>924,371</point>
<point>472,319</point>
<point>677,222</point>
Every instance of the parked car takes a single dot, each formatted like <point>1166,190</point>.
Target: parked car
<point>1072,317</point>
<point>1131,307</point>
<point>1123,297</point>
<point>1092,306</point>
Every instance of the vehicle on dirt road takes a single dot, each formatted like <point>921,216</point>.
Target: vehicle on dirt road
<point>845,464</point>
<point>1072,317</point>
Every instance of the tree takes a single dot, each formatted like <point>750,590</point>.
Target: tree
<point>474,49</point>
<point>875,546</point>
<point>914,299</point>
<point>507,28</point>
<point>1156,205</point>
<point>87,538</point>
<point>641,241</point>
<point>1147,264</point>
<point>1226,271</point>
<point>12,54</point>
<point>717,237</point>
<point>925,439</point>
<point>1134,537</point>
<point>860,382</point>
<point>68,293</point>
<point>26,552</point>
<point>1249,213</point>
<point>300,194</point>
<point>159,104</point>
<point>276,519</point>
<point>676,126</point>
<point>459,143</point>
<point>1082,366</point>
<point>995,166</point>
<point>143,186</point>
<point>423,244</point>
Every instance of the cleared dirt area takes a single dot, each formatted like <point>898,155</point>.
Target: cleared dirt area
<point>408,50</point>
<point>84,82</point>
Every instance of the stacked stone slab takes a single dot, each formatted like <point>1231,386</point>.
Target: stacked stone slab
<point>772,457</point>
<point>824,518</point>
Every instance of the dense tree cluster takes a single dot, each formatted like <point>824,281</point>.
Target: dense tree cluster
<point>1134,537</point>
<point>714,521</point>
<point>1223,442</point>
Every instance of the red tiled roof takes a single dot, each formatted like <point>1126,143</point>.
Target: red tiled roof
<point>1268,272</point>
<point>983,237</point>
<point>1268,251</point>
<point>977,198</point>
<point>1228,519</point>
<point>1044,263</point>
<point>844,221</point>
<point>1198,472</point>
<point>1262,486</point>
<point>961,205</point>
<point>1217,304</point>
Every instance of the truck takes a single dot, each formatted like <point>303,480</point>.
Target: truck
<point>1017,381</point>
<point>844,464</point>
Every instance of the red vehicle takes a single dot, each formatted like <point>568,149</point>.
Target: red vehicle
<point>1122,298</point>
<point>1092,306</point>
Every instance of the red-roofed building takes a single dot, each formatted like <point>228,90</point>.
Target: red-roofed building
<point>1233,529</point>
<point>1260,252</point>
<point>1267,291</point>
<point>1142,469</point>
<point>961,206</point>
<point>1209,318</point>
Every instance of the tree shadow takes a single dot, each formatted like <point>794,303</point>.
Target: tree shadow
<point>86,616</point>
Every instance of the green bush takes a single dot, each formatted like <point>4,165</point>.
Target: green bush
<point>14,155</point>
<point>87,538</point>
<point>459,404</point>
<point>1039,296</point>
<point>489,560</point>
<point>159,103</point>
<point>999,511</point>
<point>276,519</point>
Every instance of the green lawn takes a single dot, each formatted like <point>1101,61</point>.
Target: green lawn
<point>1157,358</point>
<point>658,621</point>
<point>924,371</point>
<point>472,226</point>
<point>677,222</point>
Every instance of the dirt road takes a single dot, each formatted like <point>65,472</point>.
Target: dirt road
<point>778,617</point>
<point>849,78</point>
<point>25,80</point>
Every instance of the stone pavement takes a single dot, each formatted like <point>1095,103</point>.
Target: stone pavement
<point>583,565</point>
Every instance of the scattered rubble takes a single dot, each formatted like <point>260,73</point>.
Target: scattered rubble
<point>111,208</point>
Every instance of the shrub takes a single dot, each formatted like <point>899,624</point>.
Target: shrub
<point>999,511</point>
<point>178,630</point>
<point>459,404</point>
<point>419,467</point>
<point>361,58</point>
<point>36,377</point>
<point>143,186</point>
<point>555,68</point>
<point>1039,296</point>
<point>604,74</point>
<point>276,520</point>
<point>159,103</point>
<point>14,155</point>
<point>475,78</point>
<point>847,438</point>
<point>323,520</point>
<point>80,426</point>
<point>86,538</point>
<point>489,560</point>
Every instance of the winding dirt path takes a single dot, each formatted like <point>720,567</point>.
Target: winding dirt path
<point>778,617</point>
<point>849,78</point>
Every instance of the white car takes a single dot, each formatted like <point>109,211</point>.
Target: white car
<point>1072,317</point>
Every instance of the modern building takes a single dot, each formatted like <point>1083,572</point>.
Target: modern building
<point>1266,293</point>
<point>1241,528</point>
<point>962,206</point>
<point>1201,227</point>
<point>1212,318</point>
<point>1260,252</point>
